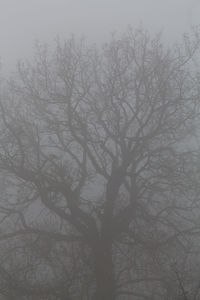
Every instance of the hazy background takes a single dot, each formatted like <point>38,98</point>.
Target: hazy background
<point>24,21</point>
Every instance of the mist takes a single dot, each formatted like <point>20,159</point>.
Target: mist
<point>99,150</point>
<point>23,22</point>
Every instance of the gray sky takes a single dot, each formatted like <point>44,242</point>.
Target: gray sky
<point>24,21</point>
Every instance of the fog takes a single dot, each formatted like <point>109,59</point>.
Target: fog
<point>24,21</point>
<point>99,150</point>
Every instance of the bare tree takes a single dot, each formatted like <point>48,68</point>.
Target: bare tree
<point>100,143</point>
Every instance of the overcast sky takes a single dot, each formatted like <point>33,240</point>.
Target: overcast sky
<point>24,21</point>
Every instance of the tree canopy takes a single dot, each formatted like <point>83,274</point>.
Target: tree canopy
<point>99,164</point>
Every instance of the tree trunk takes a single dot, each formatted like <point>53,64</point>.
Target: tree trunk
<point>104,272</point>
